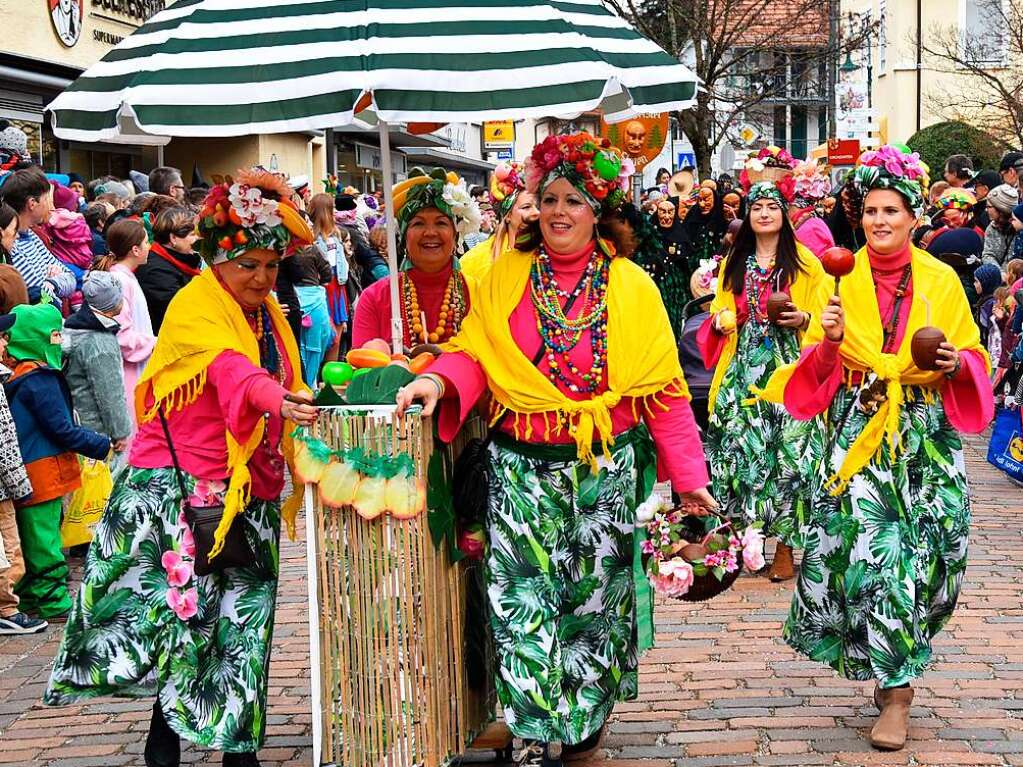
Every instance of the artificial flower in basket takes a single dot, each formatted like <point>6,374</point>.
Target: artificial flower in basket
<point>694,558</point>
<point>771,163</point>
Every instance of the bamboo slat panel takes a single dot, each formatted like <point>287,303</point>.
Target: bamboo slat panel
<point>393,618</point>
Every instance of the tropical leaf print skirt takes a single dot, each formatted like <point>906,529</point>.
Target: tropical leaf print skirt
<point>883,563</point>
<point>757,450</point>
<point>144,624</point>
<point>559,577</point>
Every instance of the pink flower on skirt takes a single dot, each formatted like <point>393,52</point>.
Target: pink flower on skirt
<point>187,539</point>
<point>179,572</point>
<point>208,492</point>
<point>185,604</point>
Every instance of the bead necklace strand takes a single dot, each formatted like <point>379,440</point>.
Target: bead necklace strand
<point>452,311</point>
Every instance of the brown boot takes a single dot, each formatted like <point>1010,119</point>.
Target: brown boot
<point>889,733</point>
<point>782,568</point>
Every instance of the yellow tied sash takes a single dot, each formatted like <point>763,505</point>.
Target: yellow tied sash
<point>642,359</point>
<point>203,321</point>
<point>864,338</point>
<point>810,291</point>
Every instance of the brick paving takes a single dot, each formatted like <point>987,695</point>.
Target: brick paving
<point>721,689</point>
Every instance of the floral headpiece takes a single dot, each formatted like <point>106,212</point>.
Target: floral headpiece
<point>590,164</point>
<point>781,192</point>
<point>441,190</point>
<point>812,183</point>
<point>956,199</point>
<point>253,213</point>
<point>507,180</point>
<point>891,168</point>
<point>771,157</point>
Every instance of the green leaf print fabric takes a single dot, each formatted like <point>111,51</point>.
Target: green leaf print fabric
<point>757,450</point>
<point>144,624</point>
<point>884,562</point>
<point>559,575</point>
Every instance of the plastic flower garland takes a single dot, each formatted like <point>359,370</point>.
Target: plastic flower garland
<point>590,164</point>
<point>441,190</point>
<point>507,180</point>
<point>672,574</point>
<point>243,216</point>
<point>811,184</point>
<point>891,168</point>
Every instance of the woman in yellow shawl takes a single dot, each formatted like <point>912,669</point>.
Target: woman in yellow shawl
<point>572,341</point>
<point>226,378</point>
<point>886,535</point>
<point>516,209</point>
<point>755,449</point>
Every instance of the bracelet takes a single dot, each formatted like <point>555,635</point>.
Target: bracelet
<point>807,321</point>
<point>955,371</point>
<point>437,381</point>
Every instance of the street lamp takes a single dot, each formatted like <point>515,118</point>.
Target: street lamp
<point>848,65</point>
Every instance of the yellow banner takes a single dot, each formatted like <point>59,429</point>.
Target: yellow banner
<point>498,134</point>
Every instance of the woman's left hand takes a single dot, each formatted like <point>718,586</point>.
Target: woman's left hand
<point>948,359</point>
<point>699,502</point>
<point>793,319</point>
<point>297,407</point>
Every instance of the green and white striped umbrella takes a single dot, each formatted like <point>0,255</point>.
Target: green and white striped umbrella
<point>237,67</point>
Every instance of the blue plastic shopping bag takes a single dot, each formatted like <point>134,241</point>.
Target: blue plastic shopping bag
<point>1006,448</point>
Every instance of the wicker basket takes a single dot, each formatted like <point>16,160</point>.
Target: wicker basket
<point>768,174</point>
<point>693,530</point>
<point>392,608</point>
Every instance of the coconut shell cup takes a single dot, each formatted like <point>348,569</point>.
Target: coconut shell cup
<point>924,347</point>
<point>778,303</point>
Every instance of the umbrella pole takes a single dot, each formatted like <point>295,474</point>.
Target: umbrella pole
<point>392,247</point>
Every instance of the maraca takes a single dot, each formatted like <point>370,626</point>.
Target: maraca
<point>838,262</point>
<point>777,304</point>
<point>926,342</point>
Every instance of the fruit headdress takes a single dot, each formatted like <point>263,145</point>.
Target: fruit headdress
<point>253,213</point>
<point>507,180</point>
<point>781,192</point>
<point>438,189</point>
<point>891,168</point>
<point>590,164</point>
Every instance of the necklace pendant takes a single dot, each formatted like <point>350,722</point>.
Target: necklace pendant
<point>768,343</point>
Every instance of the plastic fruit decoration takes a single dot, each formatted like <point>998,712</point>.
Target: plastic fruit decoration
<point>337,373</point>
<point>379,345</point>
<point>778,303</point>
<point>421,362</point>
<point>838,262</point>
<point>370,497</point>
<point>726,321</point>
<point>433,349</point>
<point>311,460</point>
<point>404,496</point>
<point>368,358</point>
<point>338,484</point>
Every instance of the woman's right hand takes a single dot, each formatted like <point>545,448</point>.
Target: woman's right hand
<point>422,390</point>
<point>298,407</point>
<point>833,320</point>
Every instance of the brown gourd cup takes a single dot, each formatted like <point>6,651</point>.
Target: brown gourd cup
<point>924,347</point>
<point>778,303</point>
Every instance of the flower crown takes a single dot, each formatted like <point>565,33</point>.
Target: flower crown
<point>242,216</point>
<point>590,164</point>
<point>438,189</point>
<point>781,191</point>
<point>812,184</point>
<point>891,168</point>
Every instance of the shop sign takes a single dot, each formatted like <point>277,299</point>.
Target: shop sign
<point>67,17</point>
<point>641,138</point>
<point>137,10</point>
<point>498,134</point>
<point>843,151</point>
<point>371,157</point>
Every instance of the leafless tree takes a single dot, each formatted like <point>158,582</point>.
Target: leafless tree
<point>987,63</point>
<point>747,54</point>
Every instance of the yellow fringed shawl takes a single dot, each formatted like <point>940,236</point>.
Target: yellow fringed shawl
<point>810,291</point>
<point>202,321</point>
<point>642,356</point>
<point>864,337</point>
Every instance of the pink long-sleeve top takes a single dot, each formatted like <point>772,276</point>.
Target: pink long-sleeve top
<point>135,336</point>
<point>373,312</point>
<point>712,341</point>
<point>967,397</point>
<point>674,431</point>
<point>236,396</point>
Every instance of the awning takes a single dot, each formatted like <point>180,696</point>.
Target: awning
<point>449,160</point>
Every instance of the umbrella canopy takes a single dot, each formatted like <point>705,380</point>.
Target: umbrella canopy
<point>237,67</point>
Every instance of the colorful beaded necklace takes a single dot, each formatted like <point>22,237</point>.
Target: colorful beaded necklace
<point>561,334</point>
<point>270,354</point>
<point>759,279</point>
<point>452,311</point>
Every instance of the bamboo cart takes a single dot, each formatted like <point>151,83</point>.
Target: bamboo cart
<point>389,615</point>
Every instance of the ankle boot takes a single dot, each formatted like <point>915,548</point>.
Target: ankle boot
<point>163,745</point>
<point>892,726</point>
<point>782,568</point>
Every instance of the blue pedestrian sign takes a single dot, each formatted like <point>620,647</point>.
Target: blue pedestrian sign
<point>686,160</point>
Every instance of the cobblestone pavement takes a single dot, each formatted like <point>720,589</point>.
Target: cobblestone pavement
<point>720,689</point>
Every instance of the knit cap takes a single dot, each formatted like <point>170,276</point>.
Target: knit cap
<point>64,198</point>
<point>13,139</point>
<point>1004,197</point>
<point>1017,213</point>
<point>101,291</point>
<point>113,187</point>
<point>989,276</point>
